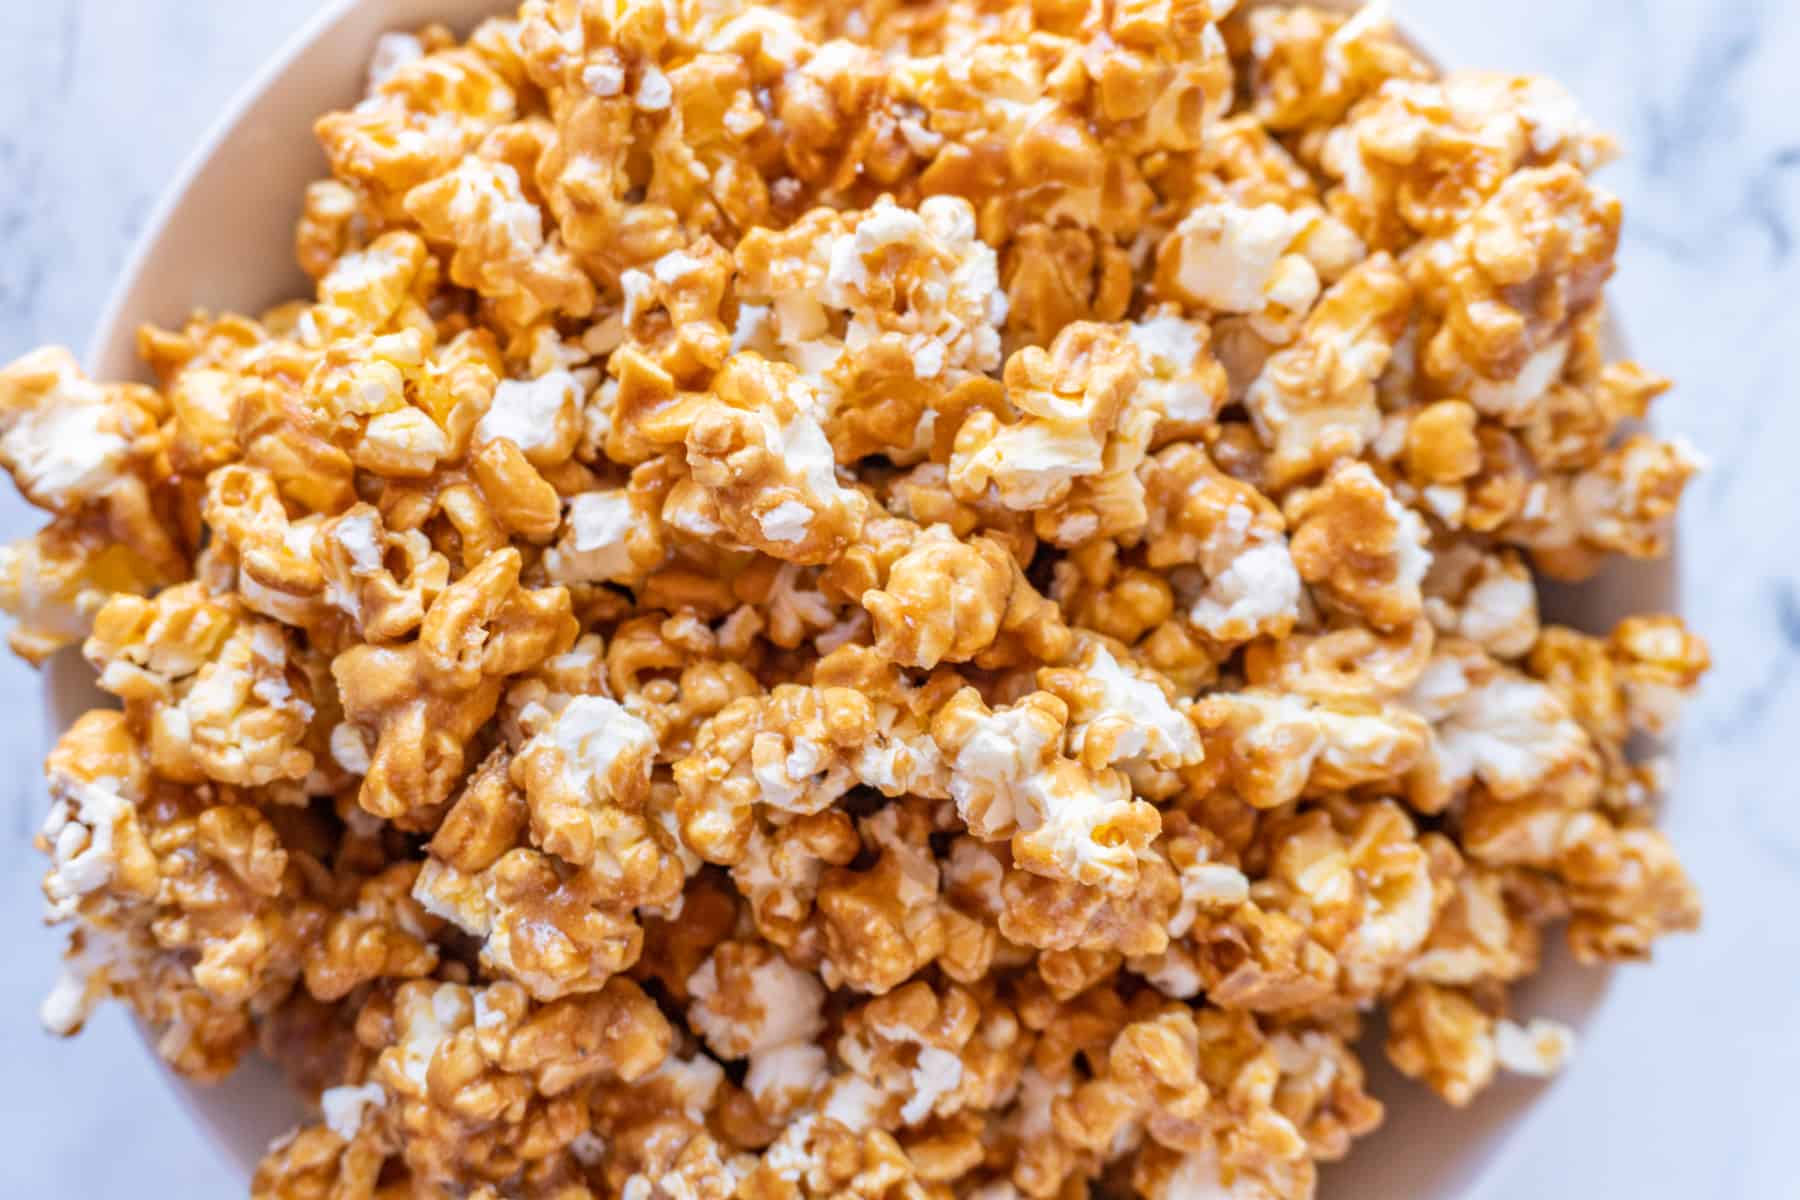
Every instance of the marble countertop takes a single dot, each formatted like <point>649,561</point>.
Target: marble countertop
<point>1685,1083</point>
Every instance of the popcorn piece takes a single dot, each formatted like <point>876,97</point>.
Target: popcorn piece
<point>1487,599</point>
<point>1624,504</point>
<point>1070,399</point>
<point>501,250</point>
<point>55,582</point>
<point>1180,368</point>
<point>591,761</point>
<point>915,281</point>
<point>74,447</point>
<point>1498,726</point>
<point>1120,715</point>
<point>1359,548</point>
<point>1545,233</point>
<point>1439,1035</point>
<point>1201,517</point>
<point>1277,746</point>
<point>1539,1049</point>
<point>1230,258</point>
<point>942,601</point>
<point>1309,67</point>
<point>605,538</point>
<point>1010,779</point>
<point>65,442</point>
<point>537,415</point>
<point>758,450</point>
<point>385,935</point>
<point>1314,401</point>
<point>211,684</point>
<point>541,923</point>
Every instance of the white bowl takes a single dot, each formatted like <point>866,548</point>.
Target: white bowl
<point>223,239</point>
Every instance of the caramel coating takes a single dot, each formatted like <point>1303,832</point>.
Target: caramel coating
<point>887,601</point>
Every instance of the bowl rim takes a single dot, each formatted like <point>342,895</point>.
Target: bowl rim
<point>181,186</point>
<point>1510,1108</point>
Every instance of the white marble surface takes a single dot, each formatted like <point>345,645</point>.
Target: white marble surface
<point>1685,1086</point>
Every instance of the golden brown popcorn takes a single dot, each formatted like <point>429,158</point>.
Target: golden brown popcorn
<point>501,252</point>
<point>586,775</point>
<point>1575,421</point>
<point>1115,599</point>
<point>1485,932</point>
<point>1077,423</point>
<point>1623,504</point>
<point>55,582</point>
<point>1055,914</point>
<point>213,687</point>
<point>882,925</point>
<point>1055,276</point>
<point>552,927</point>
<point>1314,401</point>
<point>1122,714</point>
<point>385,935</point>
<point>1625,889</point>
<point>1263,262</point>
<point>1487,598</point>
<point>1343,660</point>
<point>1359,880</point>
<point>914,285</point>
<point>1361,551</point>
<point>381,288</point>
<point>1441,446</point>
<point>1545,235</point>
<point>383,579</point>
<point>1029,627</point>
<point>78,449</point>
<point>1010,778</point>
<point>1277,746</point>
<point>1494,725</point>
<point>785,750</point>
<point>1308,66</point>
<point>867,602</point>
<point>942,601</point>
<point>191,909</point>
<point>1419,157</point>
<point>1148,1075</point>
<point>410,710</point>
<point>1441,1036</point>
<point>1230,537</point>
<point>418,123</point>
<point>797,750</point>
<point>479,1078</point>
<point>757,449</point>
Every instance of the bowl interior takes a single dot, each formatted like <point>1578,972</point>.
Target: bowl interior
<point>223,239</point>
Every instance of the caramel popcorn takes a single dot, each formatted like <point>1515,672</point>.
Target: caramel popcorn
<point>892,602</point>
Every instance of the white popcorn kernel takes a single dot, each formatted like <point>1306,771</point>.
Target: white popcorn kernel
<point>533,414</point>
<point>593,547</point>
<point>603,79</point>
<point>1229,254</point>
<point>592,733</point>
<point>350,749</point>
<point>1539,1049</point>
<point>654,92</point>
<point>346,1108</point>
<point>80,829</point>
<point>786,522</point>
<point>937,1074</point>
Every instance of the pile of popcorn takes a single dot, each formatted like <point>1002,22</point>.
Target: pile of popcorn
<point>894,600</point>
